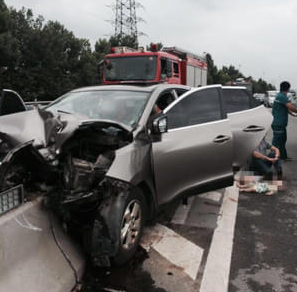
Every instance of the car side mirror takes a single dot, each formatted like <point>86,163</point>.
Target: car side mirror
<point>160,125</point>
<point>11,102</point>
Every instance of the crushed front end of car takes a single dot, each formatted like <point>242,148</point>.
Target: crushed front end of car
<point>66,158</point>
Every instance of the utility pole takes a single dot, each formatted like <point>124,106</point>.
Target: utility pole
<point>125,23</point>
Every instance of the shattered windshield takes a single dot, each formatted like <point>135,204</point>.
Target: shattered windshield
<point>131,68</point>
<point>120,106</point>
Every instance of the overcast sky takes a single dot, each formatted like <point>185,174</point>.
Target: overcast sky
<point>256,36</point>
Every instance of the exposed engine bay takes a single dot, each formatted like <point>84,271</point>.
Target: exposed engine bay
<point>68,166</point>
<point>86,158</point>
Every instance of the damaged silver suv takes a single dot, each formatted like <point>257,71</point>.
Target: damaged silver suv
<point>109,156</point>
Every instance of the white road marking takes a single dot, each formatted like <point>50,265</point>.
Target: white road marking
<point>174,248</point>
<point>182,212</point>
<point>112,290</point>
<point>197,213</point>
<point>214,196</point>
<point>27,224</point>
<point>216,273</point>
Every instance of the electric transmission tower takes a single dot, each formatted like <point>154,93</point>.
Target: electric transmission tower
<point>126,20</point>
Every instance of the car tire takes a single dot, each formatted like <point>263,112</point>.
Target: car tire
<point>131,225</point>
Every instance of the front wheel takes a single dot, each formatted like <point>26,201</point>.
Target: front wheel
<point>131,225</point>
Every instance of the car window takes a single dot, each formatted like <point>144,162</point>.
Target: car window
<point>235,100</point>
<point>131,68</point>
<point>180,91</point>
<point>169,68</point>
<point>255,102</point>
<point>120,106</point>
<point>165,100</point>
<point>197,108</point>
<point>175,69</point>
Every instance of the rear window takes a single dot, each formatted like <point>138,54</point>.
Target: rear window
<point>235,100</point>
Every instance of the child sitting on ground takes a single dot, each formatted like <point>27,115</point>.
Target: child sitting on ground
<point>254,184</point>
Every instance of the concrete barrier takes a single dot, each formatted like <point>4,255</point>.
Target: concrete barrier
<point>30,259</point>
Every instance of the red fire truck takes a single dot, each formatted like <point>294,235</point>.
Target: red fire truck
<point>170,65</point>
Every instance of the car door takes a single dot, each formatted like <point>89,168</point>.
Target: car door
<point>248,125</point>
<point>197,148</point>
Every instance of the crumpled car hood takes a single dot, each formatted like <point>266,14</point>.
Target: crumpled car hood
<point>43,127</point>
<point>23,127</point>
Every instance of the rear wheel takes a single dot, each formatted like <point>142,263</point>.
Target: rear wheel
<point>131,225</point>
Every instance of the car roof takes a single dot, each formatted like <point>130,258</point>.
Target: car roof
<point>234,87</point>
<point>150,88</point>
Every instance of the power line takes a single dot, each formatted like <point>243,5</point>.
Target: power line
<point>126,20</point>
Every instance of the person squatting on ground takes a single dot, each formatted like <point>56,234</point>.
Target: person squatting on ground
<point>281,107</point>
<point>264,158</point>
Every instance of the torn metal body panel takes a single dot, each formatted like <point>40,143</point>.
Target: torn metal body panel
<point>74,155</point>
<point>104,239</point>
<point>21,164</point>
<point>36,125</point>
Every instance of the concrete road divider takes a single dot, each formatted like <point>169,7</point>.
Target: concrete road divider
<point>35,253</point>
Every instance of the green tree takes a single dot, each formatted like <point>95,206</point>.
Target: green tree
<point>212,70</point>
<point>232,72</point>
<point>261,86</point>
<point>44,60</point>
<point>47,59</point>
<point>222,77</point>
<point>102,47</point>
<point>4,17</point>
<point>9,53</point>
<point>130,41</point>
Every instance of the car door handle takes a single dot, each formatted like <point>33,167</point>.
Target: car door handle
<point>254,128</point>
<point>221,139</point>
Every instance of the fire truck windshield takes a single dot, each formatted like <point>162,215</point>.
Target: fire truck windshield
<point>131,68</point>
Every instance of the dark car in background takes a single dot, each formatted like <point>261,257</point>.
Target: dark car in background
<point>109,156</point>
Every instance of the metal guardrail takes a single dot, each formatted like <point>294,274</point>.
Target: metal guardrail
<point>43,102</point>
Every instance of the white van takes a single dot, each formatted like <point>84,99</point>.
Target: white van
<point>293,96</point>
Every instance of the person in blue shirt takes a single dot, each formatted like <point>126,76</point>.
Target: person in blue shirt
<point>281,107</point>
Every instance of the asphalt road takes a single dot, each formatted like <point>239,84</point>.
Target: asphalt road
<point>182,252</point>
<point>221,241</point>
<point>265,248</point>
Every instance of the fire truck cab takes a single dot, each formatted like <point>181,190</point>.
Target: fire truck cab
<point>170,65</point>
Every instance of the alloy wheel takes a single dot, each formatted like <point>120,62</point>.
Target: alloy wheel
<point>131,224</point>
